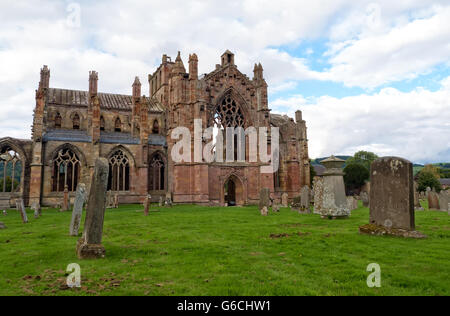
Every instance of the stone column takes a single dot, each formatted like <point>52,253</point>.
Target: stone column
<point>89,246</point>
<point>77,212</point>
<point>334,198</point>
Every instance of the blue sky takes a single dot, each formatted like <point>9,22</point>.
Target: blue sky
<point>370,75</point>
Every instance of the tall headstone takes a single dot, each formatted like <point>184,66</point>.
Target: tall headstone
<point>285,200</point>
<point>444,200</point>
<point>392,194</point>
<point>21,208</point>
<point>90,245</point>
<point>305,199</point>
<point>147,202</point>
<point>433,200</point>
<point>77,213</point>
<point>318,195</point>
<point>334,204</point>
<point>264,198</point>
<point>364,196</point>
<point>65,203</point>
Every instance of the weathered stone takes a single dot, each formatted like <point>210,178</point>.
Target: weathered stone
<point>147,202</point>
<point>264,198</point>
<point>65,203</point>
<point>334,198</point>
<point>20,205</point>
<point>116,200</point>
<point>433,200</point>
<point>265,211</point>
<point>109,200</point>
<point>444,200</point>
<point>364,197</point>
<point>305,199</point>
<point>285,200</point>
<point>318,194</point>
<point>416,196</point>
<point>392,194</point>
<point>36,207</point>
<point>2,225</point>
<point>352,203</point>
<point>371,229</point>
<point>77,213</point>
<point>89,246</point>
<point>161,201</point>
<point>276,208</point>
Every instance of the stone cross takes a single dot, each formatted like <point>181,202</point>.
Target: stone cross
<point>147,202</point>
<point>77,213</point>
<point>392,193</point>
<point>90,244</point>
<point>264,198</point>
<point>285,200</point>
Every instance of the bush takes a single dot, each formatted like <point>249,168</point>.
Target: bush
<point>428,179</point>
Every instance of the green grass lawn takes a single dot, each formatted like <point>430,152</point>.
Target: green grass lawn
<point>194,250</point>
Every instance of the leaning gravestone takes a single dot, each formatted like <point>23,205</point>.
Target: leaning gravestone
<point>77,213</point>
<point>305,199</point>
<point>391,199</point>
<point>334,203</point>
<point>264,198</point>
<point>21,208</point>
<point>444,200</point>
<point>433,200</point>
<point>90,245</point>
<point>285,200</point>
<point>318,194</point>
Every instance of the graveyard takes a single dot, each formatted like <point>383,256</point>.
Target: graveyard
<point>219,251</point>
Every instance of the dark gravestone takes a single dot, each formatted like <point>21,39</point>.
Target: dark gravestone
<point>433,200</point>
<point>90,245</point>
<point>392,193</point>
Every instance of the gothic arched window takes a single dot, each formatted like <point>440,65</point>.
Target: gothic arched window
<point>102,123</point>
<point>119,172</point>
<point>229,114</point>
<point>118,125</point>
<point>155,129</point>
<point>66,171</point>
<point>76,121</point>
<point>58,120</point>
<point>10,171</point>
<point>157,173</point>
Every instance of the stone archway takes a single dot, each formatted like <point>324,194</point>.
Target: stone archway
<point>233,192</point>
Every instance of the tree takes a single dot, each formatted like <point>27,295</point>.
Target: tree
<point>428,179</point>
<point>432,169</point>
<point>356,175</point>
<point>364,158</point>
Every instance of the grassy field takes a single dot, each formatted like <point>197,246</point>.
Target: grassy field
<point>193,250</point>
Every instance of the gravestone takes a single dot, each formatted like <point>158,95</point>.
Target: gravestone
<point>334,200</point>
<point>116,200</point>
<point>65,203</point>
<point>416,196</point>
<point>285,200</point>
<point>444,200</point>
<point>2,225</point>
<point>161,201</point>
<point>90,245</point>
<point>297,204</point>
<point>264,198</point>
<point>318,194</point>
<point>433,201</point>
<point>391,198</point>
<point>147,202</point>
<point>305,199</point>
<point>265,211</point>
<point>276,208</point>
<point>109,199</point>
<point>36,207</point>
<point>427,191</point>
<point>20,205</point>
<point>352,203</point>
<point>364,196</point>
<point>77,213</point>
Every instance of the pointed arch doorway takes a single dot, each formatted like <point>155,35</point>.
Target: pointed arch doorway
<point>233,192</point>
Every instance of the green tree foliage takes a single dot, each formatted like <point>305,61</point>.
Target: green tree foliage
<point>356,174</point>
<point>428,179</point>
<point>8,185</point>
<point>364,158</point>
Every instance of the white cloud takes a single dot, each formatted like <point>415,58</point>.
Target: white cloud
<point>413,125</point>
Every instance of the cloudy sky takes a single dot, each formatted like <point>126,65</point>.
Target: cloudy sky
<point>368,75</point>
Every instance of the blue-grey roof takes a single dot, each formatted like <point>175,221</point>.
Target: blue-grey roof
<point>157,140</point>
<point>444,181</point>
<point>118,138</point>
<point>65,135</point>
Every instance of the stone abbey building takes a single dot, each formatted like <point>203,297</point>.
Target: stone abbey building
<point>72,128</point>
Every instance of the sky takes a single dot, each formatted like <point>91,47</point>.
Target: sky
<point>367,75</point>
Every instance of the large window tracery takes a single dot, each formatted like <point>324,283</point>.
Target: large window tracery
<point>10,171</point>
<point>119,172</point>
<point>66,171</point>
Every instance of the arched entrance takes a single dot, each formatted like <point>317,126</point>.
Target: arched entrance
<point>233,192</point>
